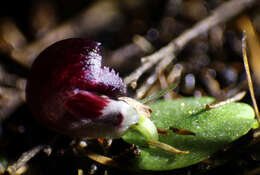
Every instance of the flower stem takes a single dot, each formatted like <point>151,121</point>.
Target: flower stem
<point>147,128</point>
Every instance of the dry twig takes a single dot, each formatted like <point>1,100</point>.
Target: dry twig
<point>90,21</point>
<point>235,98</point>
<point>121,56</point>
<point>104,160</point>
<point>25,157</point>
<point>253,43</point>
<point>219,15</point>
<point>173,76</point>
<point>166,147</point>
<point>249,79</point>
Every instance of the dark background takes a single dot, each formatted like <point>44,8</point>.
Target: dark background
<point>213,59</point>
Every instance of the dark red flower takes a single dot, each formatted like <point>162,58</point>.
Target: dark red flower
<point>70,92</point>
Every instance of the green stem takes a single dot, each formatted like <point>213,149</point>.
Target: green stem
<point>147,128</point>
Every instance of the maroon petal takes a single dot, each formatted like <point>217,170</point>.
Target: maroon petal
<point>85,105</point>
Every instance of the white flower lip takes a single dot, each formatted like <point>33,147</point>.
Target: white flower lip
<point>129,115</point>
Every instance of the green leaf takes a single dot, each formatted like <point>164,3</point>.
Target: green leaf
<point>214,129</point>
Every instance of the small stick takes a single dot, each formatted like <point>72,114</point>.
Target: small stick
<point>234,89</point>
<point>10,36</point>
<point>173,76</point>
<point>150,81</point>
<point>143,43</point>
<point>235,98</point>
<point>182,131</point>
<point>123,55</point>
<point>162,131</point>
<point>253,44</point>
<point>105,160</point>
<point>249,79</point>
<point>163,83</point>
<point>25,157</point>
<point>166,147</point>
<point>102,159</point>
<point>211,83</point>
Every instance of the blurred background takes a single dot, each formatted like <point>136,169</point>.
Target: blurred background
<point>211,64</point>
